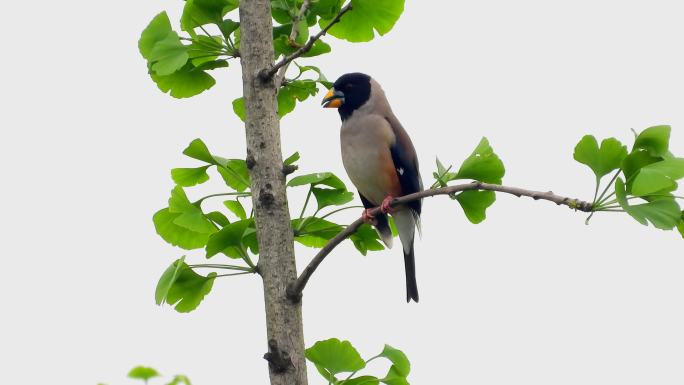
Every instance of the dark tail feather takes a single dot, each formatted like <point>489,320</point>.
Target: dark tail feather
<point>411,285</point>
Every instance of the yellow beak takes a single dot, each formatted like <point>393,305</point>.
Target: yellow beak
<point>333,99</point>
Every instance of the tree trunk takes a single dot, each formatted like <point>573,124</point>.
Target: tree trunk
<point>287,365</point>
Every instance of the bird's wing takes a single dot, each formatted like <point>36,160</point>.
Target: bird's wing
<point>406,163</point>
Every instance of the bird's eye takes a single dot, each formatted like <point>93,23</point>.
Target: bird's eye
<point>349,86</point>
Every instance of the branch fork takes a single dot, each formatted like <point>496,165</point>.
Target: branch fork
<point>280,67</point>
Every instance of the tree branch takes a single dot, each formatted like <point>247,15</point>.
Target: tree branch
<point>294,290</point>
<point>269,72</point>
<point>293,36</point>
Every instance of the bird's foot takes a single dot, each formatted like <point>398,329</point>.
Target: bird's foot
<point>386,205</point>
<point>368,217</point>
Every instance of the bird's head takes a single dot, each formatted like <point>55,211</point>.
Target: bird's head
<point>348,93</point>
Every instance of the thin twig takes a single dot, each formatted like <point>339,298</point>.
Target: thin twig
<point>269,72</point>
<point>234,274</point>
<point>219,266</point>
<point>294,291</point>
<point>600,199</point>
<point>293,36</point>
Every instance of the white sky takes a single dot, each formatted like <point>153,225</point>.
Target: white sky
<point>531,296</point>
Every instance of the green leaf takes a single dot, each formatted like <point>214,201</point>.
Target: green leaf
<point>237,36</point>
<point>228,240</point>
<point>393,227</point>
<point>189,289</point>
<point>166,280</point>
<point>359,23</point>
<point>180,379</point>
<point>143,373</point>
<point>302,32</point>
<point>441,170</point>
<point>155,32</point>
<point>212,65</point>
<point>281,12</point>
<point>315,232</point>
<point>239,108</point>
<point>250,239</point>
<point>283,46</point>
<point>482,165</point>
<point>663,213</point>
<point>175,234</point>
<point>442,176</point>
<point>318,48</point>
<point>168,55</point>
<point>601,160</point>
<point>400,362</point>
<point>236,208</point>
<point>228,26</point>
<point>191,217</point>
<point>394,378</point>
<point>655,140</point>
<point>201,12</point>
<point>363,380</point>
<point>634,162</point>
<point>658,177</point>
<point>320,79</point>
<point>293,91</point>
<point>335,356</point>
<point>326,8</point>
<point>281,30</point>
<point>680,225</point>
<point>233,171</point>
<point>218,217</point>
<point>235,174</point>
<point>366,239</point>
<point>206,44</point>
<point>324,178</point>
<point>291,159</point>
<point>327,375</point>
<point>184,83</point>
<point>188,177</point>
<point>475,204</point>
<point>198,150</point>
<point>331,197</point>
<point>205,49</point>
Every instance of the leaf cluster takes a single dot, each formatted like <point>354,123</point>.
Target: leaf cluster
<point>482,165</point>
<point>145,374</point>
<point>230,234</point>
<point>645,178</point>
<point>210,36</point>
<point>179,64</point>
<point>337,361</point>
<point>333,357</point>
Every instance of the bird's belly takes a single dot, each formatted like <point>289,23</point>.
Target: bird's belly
<point>371,170</point>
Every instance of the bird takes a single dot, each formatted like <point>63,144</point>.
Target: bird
<point>380,160</point>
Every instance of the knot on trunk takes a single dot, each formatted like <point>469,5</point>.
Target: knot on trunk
<point>266,198</point>
<point>293,293</point>
<point>289,169</point>
<point>250,161</point>
<point>278,360</point>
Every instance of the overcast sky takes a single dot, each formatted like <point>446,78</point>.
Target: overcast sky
<point>531,296</point>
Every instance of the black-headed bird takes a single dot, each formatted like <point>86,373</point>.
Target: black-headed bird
<point>380,160</point>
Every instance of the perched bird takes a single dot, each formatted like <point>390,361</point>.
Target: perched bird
<point>380,160</point>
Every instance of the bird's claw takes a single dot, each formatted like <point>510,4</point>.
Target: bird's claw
<point>386,205</point>
<point>368,217</point>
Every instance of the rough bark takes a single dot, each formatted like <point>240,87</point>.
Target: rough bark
<point>285,355</point>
